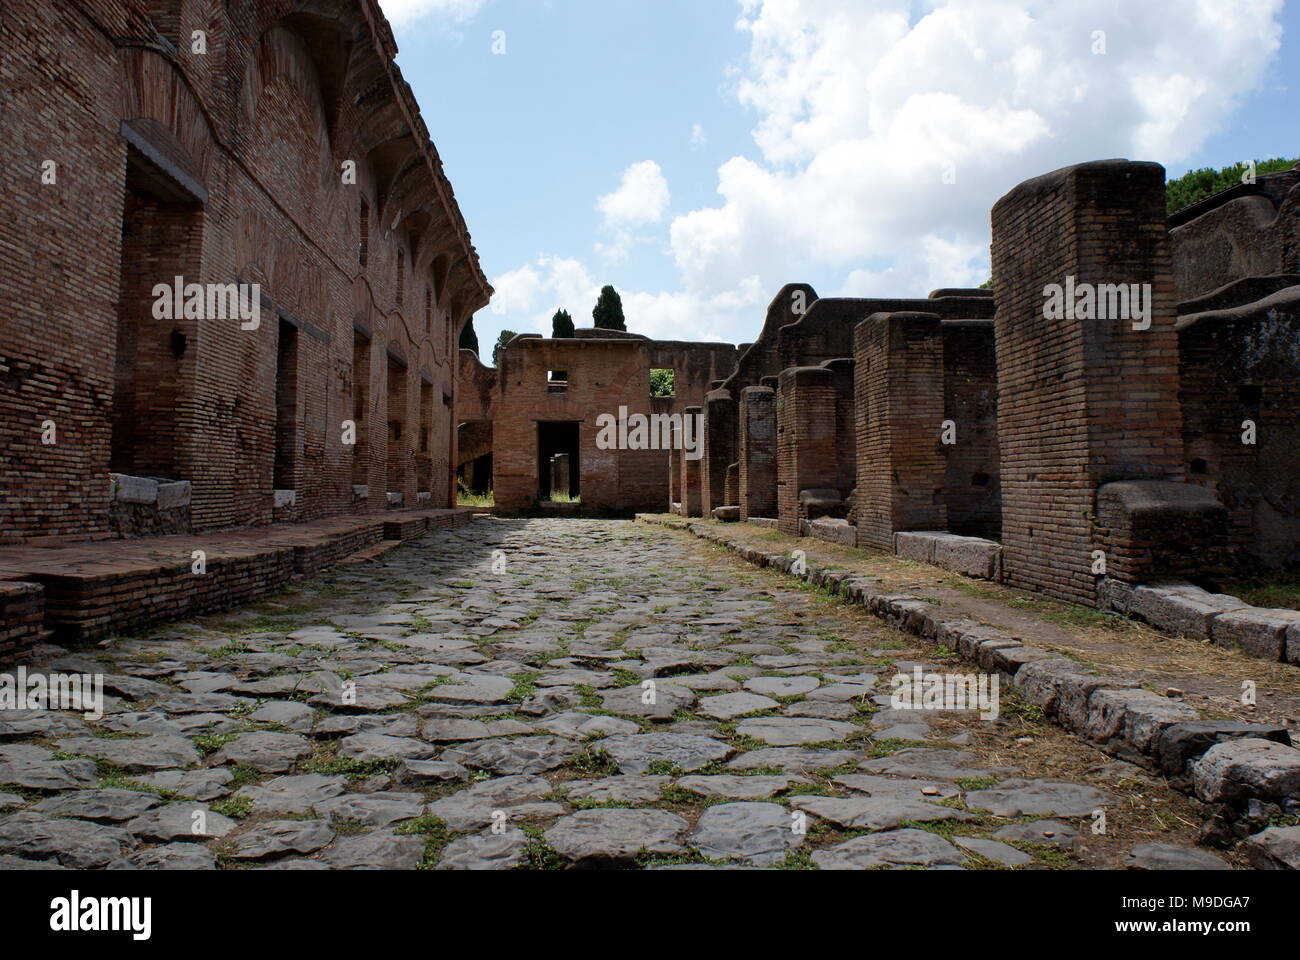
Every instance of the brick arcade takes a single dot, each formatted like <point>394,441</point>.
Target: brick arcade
<point>270,147</point>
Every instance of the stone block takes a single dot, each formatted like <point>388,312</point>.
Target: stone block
<point>1239,770</point>
<point>1182,743</point>
<point>128,489</point>
<point>1257,633</point>
<point>1181,609</point>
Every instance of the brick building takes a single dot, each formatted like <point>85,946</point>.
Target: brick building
<point>547,397</point>
<point>270,143</point>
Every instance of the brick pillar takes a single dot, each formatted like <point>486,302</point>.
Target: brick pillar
<point>720,416</point>
<point>674,472</point>
<point>757,452</point>
<point>690,492</point>
<point>846,444</point>
<point>805,439</point>
<point>1080,401</point>
<point>733,484</point>
<point>898,367</point>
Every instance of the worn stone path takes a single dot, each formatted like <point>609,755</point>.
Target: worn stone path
<point>549,694</point>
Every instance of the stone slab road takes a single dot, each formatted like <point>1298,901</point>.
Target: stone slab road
<point>551,694</point>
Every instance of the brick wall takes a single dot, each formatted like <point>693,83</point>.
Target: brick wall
<point>1237,365</point>
<point>899,392</point>
<point>805,440</point>
<point>972,485</point>
<point>223,167</point>
<point>1079,402</point>
<point>757,451</point>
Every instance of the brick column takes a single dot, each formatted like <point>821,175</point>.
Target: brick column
<point>805,439</point>
<point>690,472</point>
<point>674,472</point>
<point>1080,401</point>
<point>898,367</point>
<point>757,452</point>
<point>846,444</point>
<point>719,449</point>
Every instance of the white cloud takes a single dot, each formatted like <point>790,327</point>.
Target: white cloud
<point>698,137</point>
<point>641,198</point>
<point>860,111</point>
<point>403,13</point>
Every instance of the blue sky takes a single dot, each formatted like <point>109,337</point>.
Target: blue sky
<point>700,153</point>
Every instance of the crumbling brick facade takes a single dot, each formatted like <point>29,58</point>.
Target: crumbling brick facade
<point>548,397</point>
<point>1081,401</point>
<point>289,154</point>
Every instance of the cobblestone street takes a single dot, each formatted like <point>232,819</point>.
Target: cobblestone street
<point>478,699</point>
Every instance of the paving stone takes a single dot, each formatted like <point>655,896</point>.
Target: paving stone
<point>927,763</point>
<point>520,755</point>
<point>34,768</point>
<point>630,789</point>
<point>210,784</point>
<point>8,863</point>
<point>172,856</point>
<point>486,851</point>
<point>879,786</point>
<point>760,833</point>
<point>782,686</point>
<point>79,844</point>
<point>140,755</point>
<point>430,771</point>
<point>583,726</point>
<point>184,821</point>
<point>793,759</point>
<point>682,751</point>
<point>791,731</point>
<point>895,848</point>
<point>875,812</point>
<point>1018,798</point>
<point>454,731</point>
<point>277,838</point>
<point>667,700</point>
<point>286,713</point>
<point>731,705</point>
<point>475,689</point>
<point>298,794</point>
<point>819,710</point>
<point>1167,856</point>
<point>519,796</point>
<point>268,752</point>
<point>377,746</point>
<point>377,850</point>
<point>740,788</point>
<point>611,837</point>
<point>373,809</point>
<point>993,850</point>
<point>102,806</point>
<point>1052,832</point>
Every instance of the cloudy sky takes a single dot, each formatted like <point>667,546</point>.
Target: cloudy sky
<point>698,154</point>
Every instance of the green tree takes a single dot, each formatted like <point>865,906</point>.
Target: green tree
<point>662,383</point>
<point>1199,184</point>
<point>608,312</point>
<point>468,338</point>
<point>506,337</point>
<point>561,326</point>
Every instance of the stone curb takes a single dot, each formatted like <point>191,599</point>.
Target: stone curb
<point>1240,765</point>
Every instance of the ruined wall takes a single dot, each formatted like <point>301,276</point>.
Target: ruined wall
<point>1238,365</point>
<point>222,167</point>
<point>604,374</point>
<point>1248,231</point>
<point>899,391</point>
<point>972,485</point>
<point>1080,402</point>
